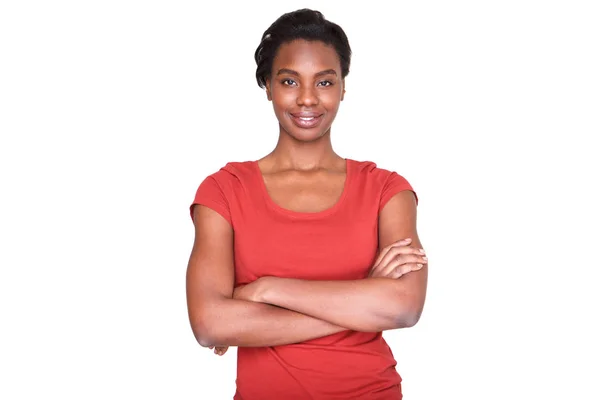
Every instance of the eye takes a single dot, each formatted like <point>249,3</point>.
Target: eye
<point>288,82</point>
<point>325,83</point>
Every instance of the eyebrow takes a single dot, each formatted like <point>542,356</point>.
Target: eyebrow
<point>292,72</point>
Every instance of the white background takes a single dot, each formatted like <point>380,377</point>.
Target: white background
<point>112,113</point>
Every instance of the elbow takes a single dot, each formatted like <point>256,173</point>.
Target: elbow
<point>204,336</point>
<point>206,330</point>
<point>208,324</point>
<point>205,340</point>
<point>407,317</point>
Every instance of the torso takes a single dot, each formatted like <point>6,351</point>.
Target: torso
<point>320,225</point>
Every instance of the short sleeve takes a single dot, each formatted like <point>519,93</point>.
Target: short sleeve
<point>210,194</point>
<point>393,185</point>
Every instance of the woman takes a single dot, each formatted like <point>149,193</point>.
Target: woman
<point>326,254</point>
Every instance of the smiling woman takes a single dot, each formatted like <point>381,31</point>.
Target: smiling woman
<point>326,254</point>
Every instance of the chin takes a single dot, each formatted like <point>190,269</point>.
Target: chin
<point>306,135</point>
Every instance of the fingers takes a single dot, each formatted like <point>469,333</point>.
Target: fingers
<point>399,261</point>
<point>395,251</point>
<point>403,242</point>
<point>405,269</point>
<point>219,350</point>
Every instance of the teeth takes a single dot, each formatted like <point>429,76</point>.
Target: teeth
<point>307,118</point>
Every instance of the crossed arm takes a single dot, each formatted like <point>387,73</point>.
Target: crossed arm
<point>276,311</point>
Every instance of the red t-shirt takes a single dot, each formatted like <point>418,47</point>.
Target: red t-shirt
<point>338,243</point>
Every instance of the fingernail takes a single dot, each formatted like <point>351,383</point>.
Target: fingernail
<point>424,258</point>
<point>419,266</point>
<point>421,251</point>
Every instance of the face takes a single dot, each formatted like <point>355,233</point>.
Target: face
<point>306,88</point>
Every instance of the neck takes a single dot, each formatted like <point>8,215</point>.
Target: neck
<point>294,154</point>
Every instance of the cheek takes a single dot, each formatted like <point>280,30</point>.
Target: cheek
<point>331,100</point>
<point>285,97</point>
<point>282,99</point>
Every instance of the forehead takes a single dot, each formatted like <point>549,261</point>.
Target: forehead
<point>306,55</point>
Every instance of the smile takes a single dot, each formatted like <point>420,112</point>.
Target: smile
<point>306,122</point>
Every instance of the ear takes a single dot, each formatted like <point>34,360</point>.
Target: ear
<point>343,89</point>
<point>268,88</point>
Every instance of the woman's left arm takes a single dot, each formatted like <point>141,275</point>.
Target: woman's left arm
<point>367,305</point>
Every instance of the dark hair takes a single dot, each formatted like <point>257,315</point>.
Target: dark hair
<point>302,24</point>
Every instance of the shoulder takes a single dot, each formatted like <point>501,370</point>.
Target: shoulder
<point>232,170</point>
<point>370,171</point>
<point>231,175</point>
<point>385,183</point>
<point>218,189</point>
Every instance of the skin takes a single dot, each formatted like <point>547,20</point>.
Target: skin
<point>306,77</point>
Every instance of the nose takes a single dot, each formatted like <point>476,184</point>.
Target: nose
<point>307,96</point>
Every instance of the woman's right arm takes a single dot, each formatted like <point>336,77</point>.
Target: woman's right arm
<point>219,320</point>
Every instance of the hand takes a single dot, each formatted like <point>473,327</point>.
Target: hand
<point>398,259</point>
<point>250,292</point>
<point>219,350</point>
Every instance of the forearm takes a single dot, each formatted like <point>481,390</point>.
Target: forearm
<point>231,322</point>
<point>368,305</point>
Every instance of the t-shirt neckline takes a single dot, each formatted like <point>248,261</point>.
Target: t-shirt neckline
<point>298,214</point>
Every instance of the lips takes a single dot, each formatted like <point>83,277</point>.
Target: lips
<point>306,120</point>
